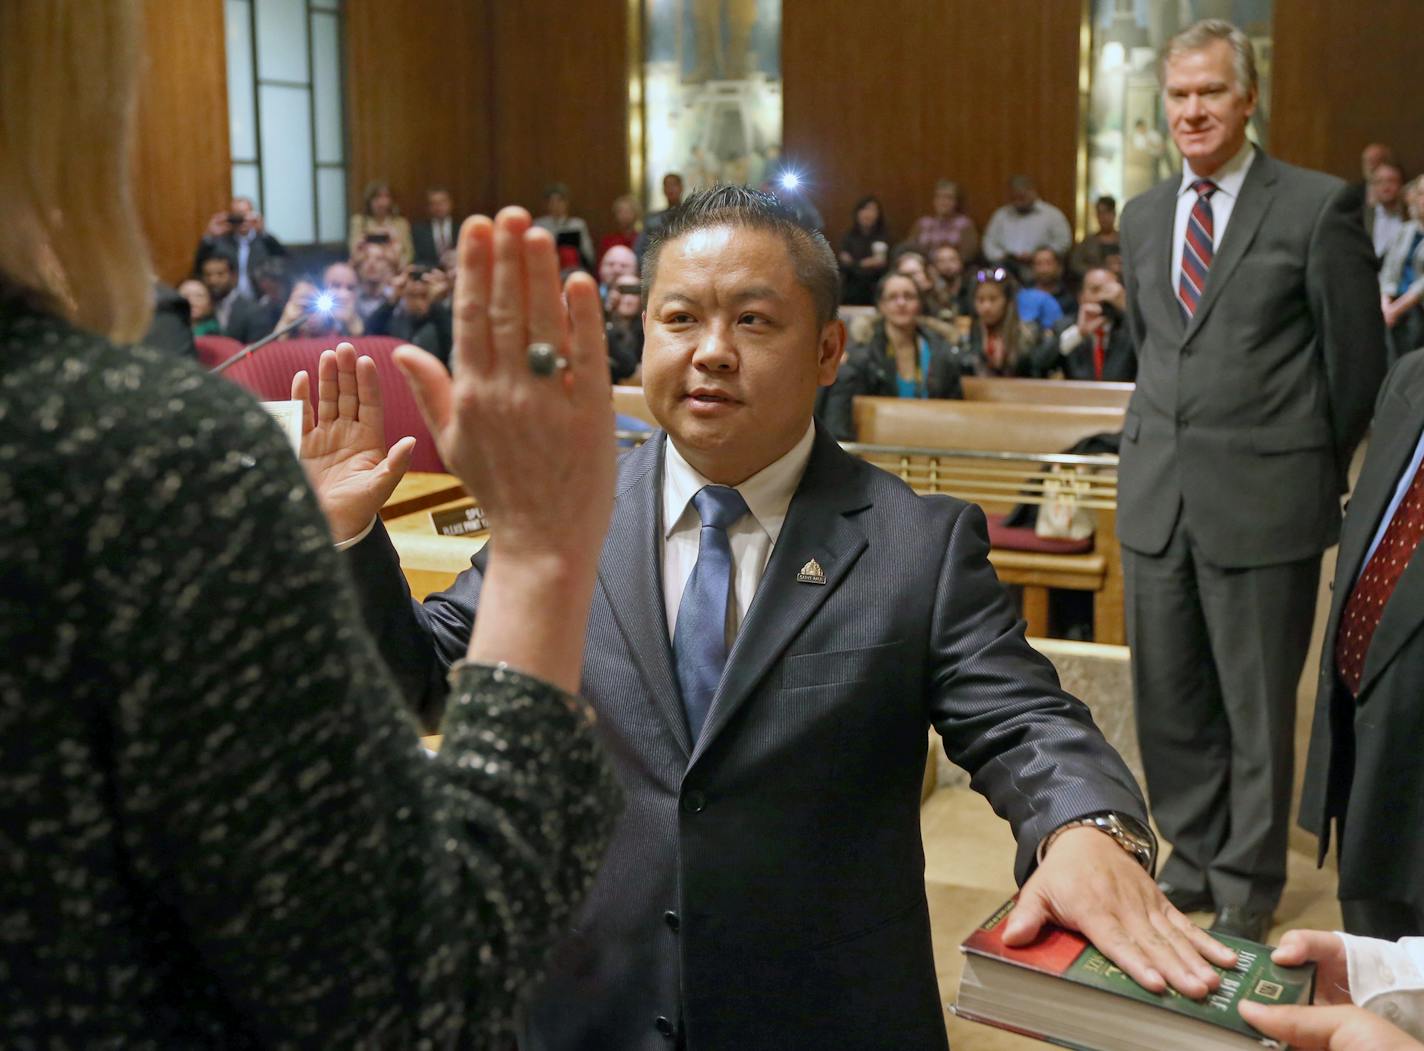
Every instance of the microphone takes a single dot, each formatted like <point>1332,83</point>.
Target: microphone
<point>323,304</point>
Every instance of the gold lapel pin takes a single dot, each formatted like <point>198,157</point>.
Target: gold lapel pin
<point>811,573</point>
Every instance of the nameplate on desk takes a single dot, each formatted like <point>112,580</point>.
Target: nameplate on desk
<point>460,521</point>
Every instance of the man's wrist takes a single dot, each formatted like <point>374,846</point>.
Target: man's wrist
<point>1127,832</point>
<point>342,545</point>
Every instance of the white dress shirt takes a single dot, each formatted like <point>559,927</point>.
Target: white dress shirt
<point>1387,978</point>
<point>1387,227</point>
<point>768,495</point>
<point>441,234</point>
<point>1229,179</point>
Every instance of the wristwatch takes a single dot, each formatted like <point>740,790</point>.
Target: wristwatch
<point>1127,832</point>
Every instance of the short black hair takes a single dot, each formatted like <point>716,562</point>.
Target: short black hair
<point>741,206</point>
<point>1107,199</point>
<point>221,256</point>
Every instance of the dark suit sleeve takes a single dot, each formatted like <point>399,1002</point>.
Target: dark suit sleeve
<point>1136,326</point>
<point>418,641</point>
<point>1030,748</point>
<point>379,323</point>
<point>1344,299</point>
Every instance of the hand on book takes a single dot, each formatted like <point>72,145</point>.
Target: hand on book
<point>1327,952</point>
<point>1089,884</point>
<point>1338,1028</point>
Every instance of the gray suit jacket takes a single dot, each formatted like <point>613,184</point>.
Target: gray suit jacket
<point>1364,755</point>
<point>1245,418</point>
<point>769,878</point>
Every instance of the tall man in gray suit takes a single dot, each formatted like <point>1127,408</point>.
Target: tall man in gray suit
<point>776,625</point>
<point>1260,347</point>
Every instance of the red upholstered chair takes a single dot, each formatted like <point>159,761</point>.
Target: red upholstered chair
<point>268,373</point>
<point>214,350</point>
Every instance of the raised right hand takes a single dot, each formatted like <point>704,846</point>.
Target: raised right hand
<point>344,445</point>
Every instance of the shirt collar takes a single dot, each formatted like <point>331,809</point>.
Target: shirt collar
<point>1228,178</point>
<point>768,493</point>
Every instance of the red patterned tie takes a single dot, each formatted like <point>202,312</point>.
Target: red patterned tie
<point>1367,600</point>
<point>1197,248</point>
<point>1100,353</point>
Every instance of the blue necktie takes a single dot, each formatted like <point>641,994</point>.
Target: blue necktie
<point>699,641</point>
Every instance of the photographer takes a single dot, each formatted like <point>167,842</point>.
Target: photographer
<point>1097,345</point>
<point>416,311</point>
<point>240,233</point>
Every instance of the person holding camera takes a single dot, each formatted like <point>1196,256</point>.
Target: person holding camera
<point>380,222</point>
<point>1096,345</point>
<point>239,232</point>
<point>416,311</point>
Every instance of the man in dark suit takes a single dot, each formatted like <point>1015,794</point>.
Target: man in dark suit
<point>239,317</point>
<point>1364,772</point>
<point>241,234</point>
<point>437,235</point>
<point>1251,294</point>
<point>777,624</point>
<point>1096,343</point>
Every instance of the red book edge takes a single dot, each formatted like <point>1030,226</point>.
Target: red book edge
<point>1052,952</point>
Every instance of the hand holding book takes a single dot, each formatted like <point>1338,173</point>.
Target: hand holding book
<point>1087,883</point>
<point>1340,1028</point>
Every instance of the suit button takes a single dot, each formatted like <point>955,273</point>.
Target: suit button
<point>1182,420</point>
<point>670,918</point>
<point>662,1025</point>
<point>694,802</point>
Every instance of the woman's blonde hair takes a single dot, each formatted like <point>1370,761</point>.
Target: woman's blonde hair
<point>70,239</point>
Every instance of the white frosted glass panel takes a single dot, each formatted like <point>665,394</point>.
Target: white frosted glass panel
<point>282,40</point>
<point>241,100</point>
<point>287,163</point>
<point>246,183</point>
<point>326,80</point>
<point>331,204</point>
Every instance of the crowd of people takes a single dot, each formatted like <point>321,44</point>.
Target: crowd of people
<point>678,793</point>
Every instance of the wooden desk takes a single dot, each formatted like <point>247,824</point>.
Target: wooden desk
<point>431,561</point>
<point>420,491</point>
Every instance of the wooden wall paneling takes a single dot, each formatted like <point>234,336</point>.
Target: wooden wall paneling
<point>182,166</point>
<point>561,104</point>
<point>1341,79</point>
<point>952,88</point>
<point>418,100</point>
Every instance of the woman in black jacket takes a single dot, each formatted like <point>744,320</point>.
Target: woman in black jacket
<point>898,354</point>
<point>864,253</point>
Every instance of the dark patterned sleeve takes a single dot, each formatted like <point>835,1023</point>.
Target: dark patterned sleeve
<point>345,889</point>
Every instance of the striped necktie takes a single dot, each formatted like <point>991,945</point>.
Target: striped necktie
<point>1197,248</point>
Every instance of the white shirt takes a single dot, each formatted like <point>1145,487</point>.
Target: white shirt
<point>768,495</point>
<point>1387,978</point>
<point>1229,179</point>
<point>440,232</point>
<point>1387,227</point>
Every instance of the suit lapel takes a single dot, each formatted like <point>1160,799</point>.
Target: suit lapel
<point>1405,609</point>
<point>816,527</point>
<point>1164,222</point>
<point>631,577</point>
<point>1251,208</point>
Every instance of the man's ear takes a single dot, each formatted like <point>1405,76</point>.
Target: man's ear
<point>831,349</point>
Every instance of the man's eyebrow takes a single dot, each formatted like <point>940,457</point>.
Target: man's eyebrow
<point>756,292</point>
<point>740,296</point>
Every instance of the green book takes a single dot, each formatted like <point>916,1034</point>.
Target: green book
<point>1062,990</point>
